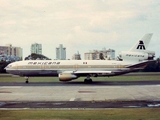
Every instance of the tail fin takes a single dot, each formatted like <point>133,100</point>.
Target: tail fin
<point>142,44</point>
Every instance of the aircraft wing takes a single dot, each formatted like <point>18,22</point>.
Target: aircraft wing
<point>87,72</point>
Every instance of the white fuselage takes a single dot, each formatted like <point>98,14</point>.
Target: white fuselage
<point>77,67</point>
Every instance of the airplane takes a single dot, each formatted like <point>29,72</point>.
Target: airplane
<point>137,58</point>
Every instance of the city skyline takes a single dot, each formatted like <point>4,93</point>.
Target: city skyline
<point>60,52</point>
<point>36,48</point>
<point>79,25</point>
<point>11,53</point>
<point>9,49</point>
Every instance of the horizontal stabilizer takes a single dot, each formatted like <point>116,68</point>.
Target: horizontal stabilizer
<point>141,65</point>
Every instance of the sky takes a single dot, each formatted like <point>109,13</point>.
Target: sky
<point>80,25</point>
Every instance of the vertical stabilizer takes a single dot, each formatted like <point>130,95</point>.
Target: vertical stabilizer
<point>142,44</point>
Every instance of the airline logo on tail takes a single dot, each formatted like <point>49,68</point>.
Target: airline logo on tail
<point>141,45</point>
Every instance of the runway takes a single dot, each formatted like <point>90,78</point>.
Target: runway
<point>78,93</point>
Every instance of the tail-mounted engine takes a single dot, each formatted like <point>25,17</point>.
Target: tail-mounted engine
<point>127,55</point>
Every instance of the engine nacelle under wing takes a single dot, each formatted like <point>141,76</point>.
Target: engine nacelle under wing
<point>67,76</point>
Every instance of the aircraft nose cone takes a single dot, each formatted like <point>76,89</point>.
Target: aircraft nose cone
<point>7,69</point>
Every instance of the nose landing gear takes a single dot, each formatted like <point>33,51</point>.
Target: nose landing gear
<point>26,78</point>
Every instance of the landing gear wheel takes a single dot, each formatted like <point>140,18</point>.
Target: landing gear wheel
<point>26,79</point>
<point>87,80</point>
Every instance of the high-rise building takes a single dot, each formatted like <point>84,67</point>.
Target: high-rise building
<point>96,54</point>
<point>76,56</point>
<point>36,48</point>
<point>11,51</point>
<point>61,52</point>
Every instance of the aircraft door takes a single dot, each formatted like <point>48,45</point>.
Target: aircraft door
<point>75,67</point>
<point>119,66</point>
<point>42,67</point>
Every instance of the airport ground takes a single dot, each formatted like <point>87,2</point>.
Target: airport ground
<point>133,96</point>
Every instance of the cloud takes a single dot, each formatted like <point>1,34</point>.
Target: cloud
<point>4,4</point>
<point>78,25</point>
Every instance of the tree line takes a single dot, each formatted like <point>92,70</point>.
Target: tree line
<point>153,67</point>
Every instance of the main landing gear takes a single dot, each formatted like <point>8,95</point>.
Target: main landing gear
<point>26,78</point>
<point>88,80</point>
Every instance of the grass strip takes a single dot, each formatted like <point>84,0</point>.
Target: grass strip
<point>114,114</point>
<point>81,79</point>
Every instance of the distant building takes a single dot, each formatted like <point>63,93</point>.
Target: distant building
<point>61,52</point>
<point>11,51</point>
<point>95,54</point>
<point>76,56</point>
<point>36,48</point>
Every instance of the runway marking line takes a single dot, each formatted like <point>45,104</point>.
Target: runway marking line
<point>86,91</point>
<point>5,92</point>
<point>72,99</point>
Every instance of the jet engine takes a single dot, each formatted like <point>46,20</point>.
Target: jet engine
<point>67,76</point>
<point>127,55</point>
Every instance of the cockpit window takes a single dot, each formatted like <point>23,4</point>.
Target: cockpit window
<point>9,66</point>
